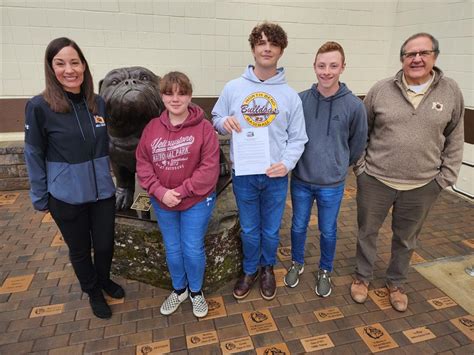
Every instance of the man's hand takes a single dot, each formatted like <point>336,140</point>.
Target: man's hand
<point>276,170</point>
<point>171,198</point>
<point>232,124</point>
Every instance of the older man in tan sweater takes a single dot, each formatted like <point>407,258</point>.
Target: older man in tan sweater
<point>414,150</point>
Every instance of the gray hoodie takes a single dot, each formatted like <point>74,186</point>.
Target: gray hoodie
<point>271,103</point>
<point>337,130</point>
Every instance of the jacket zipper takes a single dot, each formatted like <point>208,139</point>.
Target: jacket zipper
<point>93,143</point>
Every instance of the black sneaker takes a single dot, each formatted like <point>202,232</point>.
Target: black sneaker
<point>99,306</point>
<point>113,289</point>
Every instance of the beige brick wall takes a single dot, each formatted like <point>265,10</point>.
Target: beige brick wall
<point>208,39</point>
<point>452,23</point>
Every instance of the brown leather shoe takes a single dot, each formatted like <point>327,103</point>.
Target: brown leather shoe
<point>398,298</point>
<point>359,290</point>
<point>243,285</point>
<point>267,283</point>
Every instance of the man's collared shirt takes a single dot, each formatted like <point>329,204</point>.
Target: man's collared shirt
<point>414,95</point>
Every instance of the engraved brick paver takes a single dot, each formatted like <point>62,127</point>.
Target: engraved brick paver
<point>26,249</point>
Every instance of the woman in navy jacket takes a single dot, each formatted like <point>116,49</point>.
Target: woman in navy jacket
<point>66,152</point>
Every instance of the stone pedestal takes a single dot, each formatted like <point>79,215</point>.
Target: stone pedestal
<point>13,174</point>
<point>140,254</point>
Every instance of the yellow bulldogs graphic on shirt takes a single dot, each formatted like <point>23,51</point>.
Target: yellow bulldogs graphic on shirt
<point>259,109</point>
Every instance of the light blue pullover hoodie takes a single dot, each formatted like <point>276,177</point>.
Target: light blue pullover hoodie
<point>271,103</point>
<point>337,131</point>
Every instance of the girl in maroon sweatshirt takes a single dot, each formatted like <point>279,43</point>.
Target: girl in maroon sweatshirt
<point>178,165</point>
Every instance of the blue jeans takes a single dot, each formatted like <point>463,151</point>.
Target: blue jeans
<point>261,203</point>
<point>183,235</point>
<point>328,200</point>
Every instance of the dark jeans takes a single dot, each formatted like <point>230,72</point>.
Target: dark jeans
<point>409,211</point>
<point>87,226</point>
<point>328,200</point>
<point>261,203</point>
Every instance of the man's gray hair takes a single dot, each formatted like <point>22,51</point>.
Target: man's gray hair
<point>421,34</point>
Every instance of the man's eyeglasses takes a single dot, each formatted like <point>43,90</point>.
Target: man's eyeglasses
<point>422,54</point>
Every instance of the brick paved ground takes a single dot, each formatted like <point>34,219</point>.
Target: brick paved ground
<point>25,249</point>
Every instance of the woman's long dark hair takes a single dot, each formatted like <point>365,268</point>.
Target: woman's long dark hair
<point>54,92</point>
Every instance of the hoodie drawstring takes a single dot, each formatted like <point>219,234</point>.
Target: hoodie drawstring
<point>329,118</point>
<point>317,107</point>
<point>331,99</point>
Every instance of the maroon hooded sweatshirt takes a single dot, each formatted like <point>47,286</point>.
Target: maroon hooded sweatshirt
<point>183,157</point>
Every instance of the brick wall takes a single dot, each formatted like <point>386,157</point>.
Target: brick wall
<point>208,39</point>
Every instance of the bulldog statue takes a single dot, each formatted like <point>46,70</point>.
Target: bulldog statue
<point>132,98</point>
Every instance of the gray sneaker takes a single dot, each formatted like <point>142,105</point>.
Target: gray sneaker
<point>292,277</point>
<point>323,283</point>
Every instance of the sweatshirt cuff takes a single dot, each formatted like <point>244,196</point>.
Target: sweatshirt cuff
<point>443,183</point>
<point>219,126</point>
<point>41,205</point>
<point>289,166</point>
<point>359,168</point>
<point>159,193</point>
<point>182,191</point>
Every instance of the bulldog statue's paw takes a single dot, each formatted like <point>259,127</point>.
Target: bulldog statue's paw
<point>123,198</point>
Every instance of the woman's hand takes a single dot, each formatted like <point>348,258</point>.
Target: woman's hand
<point>171,198</point>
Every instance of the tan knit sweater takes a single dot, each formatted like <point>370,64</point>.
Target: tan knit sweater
<point>408,145</point>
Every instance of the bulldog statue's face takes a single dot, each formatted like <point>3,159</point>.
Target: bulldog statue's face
<point>132,97</point>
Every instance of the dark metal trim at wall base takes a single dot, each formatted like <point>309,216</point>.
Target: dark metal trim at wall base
<point>461,192</point>
<point>13,112</point>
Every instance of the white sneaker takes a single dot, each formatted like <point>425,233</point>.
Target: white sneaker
<point>200,307</point>
<point>172,302</point>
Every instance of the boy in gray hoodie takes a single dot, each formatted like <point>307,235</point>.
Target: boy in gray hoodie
<point>336,125</point>
<point>262,99</point>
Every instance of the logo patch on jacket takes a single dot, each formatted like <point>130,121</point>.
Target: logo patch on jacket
<point>259,109</point>
<point>99,121</point>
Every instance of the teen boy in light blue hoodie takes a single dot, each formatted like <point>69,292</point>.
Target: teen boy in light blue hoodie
<point>336,124</point>
<point>262,98</point>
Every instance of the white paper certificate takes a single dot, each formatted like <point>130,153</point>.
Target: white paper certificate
<point>251,151</point>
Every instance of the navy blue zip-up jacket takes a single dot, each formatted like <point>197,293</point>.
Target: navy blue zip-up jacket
<point>67,153</point>
<point>337,130</point>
